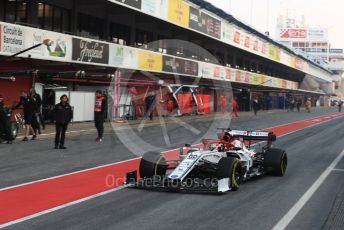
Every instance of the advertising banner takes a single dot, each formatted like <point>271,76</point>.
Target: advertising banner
<point>263,48</point>
<point>227,33</point>
<point>207,70</point>
<point>57,46</point>
<point>157,8</point>
<point>318,34</point>
<point>256,79</point>
<point>293,62</point>
<point>293,33</point>
<point>213,26</point>
<point>255,45</point>
<point>150,61</point>
<point>272,52</point>
<point>179,66</point>
<point>178,12</point>
<point>90,51</point>
<point>228,74</point>
<point>13,39</point>
<point>236,37</point>
<point>247,42</point>
<point>204,23</point>
<point>123,57</point>
<point>133,3</point>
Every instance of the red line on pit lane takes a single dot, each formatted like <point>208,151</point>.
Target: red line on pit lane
<point>32,198</point>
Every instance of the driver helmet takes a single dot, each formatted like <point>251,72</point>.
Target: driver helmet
<point>212,147</point>
<point>226,136</point>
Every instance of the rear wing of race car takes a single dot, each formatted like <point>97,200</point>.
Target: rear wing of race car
<point>251,135</point>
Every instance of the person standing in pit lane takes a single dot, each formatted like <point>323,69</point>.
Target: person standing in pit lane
<point>255,106</point>
<point>29,109</point>
<point>62,114</point>
<point>235,107</point>
<point>150,105</point>
<point>340,104</point>
<point>298,104</point>
<point>38,112</point>
<point>5,122</point>
<point>100,110</point>
<point>308,105</point>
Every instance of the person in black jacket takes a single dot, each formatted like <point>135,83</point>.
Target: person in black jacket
<point>38,115</point>
<point>63,114</point>
<point>5,123</point>
<point>100,111</point>
<point>150,105</point>
<point>29,106</point>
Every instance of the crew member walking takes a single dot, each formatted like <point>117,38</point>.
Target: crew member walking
<point>63,114</point>
<point>38,101</point>
<point>29,109</point>
<point>235,107</point>
<point>100,110</point>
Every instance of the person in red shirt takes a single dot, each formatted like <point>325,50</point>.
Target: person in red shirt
<point>235,107</point>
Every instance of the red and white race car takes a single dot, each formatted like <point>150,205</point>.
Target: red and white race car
<point>220,165</point>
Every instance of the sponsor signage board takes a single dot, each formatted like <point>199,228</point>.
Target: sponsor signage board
<point>318,34</point>
<point>179,66</point>
<point>57,46</point>
<point>202,22</point>
<point>149,61</point>
<point>13,39</point>
<point>155,8</point>
<point>90,51</point>
<point>178,12</point>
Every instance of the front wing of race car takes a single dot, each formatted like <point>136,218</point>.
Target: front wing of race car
<point>189,185</point>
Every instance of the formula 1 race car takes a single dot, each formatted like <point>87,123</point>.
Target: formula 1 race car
<point>220,165</point>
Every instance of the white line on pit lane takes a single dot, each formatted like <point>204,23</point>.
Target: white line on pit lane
<point>338,170</point>
<point>60,207</point>
<point>290,215</point>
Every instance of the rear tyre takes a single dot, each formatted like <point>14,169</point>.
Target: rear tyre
<point>230,167</point>
<point>275,162</point>
<point>152,164</point>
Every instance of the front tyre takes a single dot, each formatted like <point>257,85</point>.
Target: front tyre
<point>230,167</point>
<point>152,164</point>
<point>275,162</point>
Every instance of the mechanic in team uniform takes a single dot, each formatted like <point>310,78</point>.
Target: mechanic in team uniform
<point>38,101</point>
<point>62,114</point>
<point>5,122</point>
<point>29,106</point>
<point>100,112</point>
<point>235,107</point>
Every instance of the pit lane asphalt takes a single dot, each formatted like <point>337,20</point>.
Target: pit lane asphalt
<point>24,162</point>
<point>259,204</point>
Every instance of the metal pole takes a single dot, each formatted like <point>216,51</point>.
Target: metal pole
<point>16,54</point>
